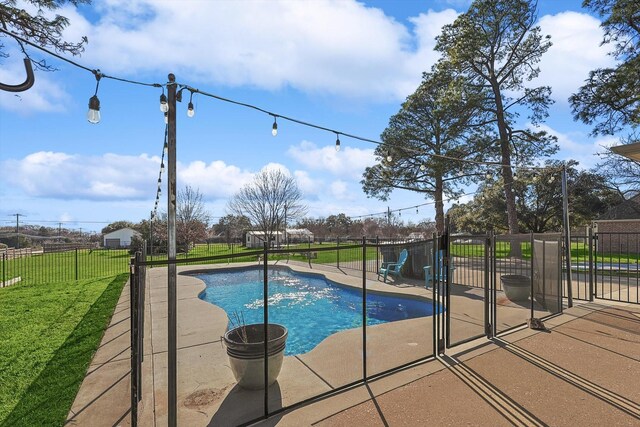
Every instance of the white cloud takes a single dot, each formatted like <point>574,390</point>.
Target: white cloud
<point>114,177</point>
<point>67,176</point>
<point>308,186</point>
<point>214,180</point>
<point>336,47</point>
<point>339,190</point>
<point>44,95</point>
<point>348,162</point>
<point>576,50</point>
<point>578,146</point>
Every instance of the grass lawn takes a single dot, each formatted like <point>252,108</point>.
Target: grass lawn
<point>49,333</point>
<point>66,266</point>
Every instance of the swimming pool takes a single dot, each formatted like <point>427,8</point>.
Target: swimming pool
<point>309,305</point>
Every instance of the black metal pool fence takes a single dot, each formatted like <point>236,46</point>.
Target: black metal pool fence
<point>463,277</point>
<point>62,266</point>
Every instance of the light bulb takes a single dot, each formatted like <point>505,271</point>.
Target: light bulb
<point>423,167</point>
<point>416,209</point>
<point>164,106</point>
<point>389,158</point>
<point>337,143</point>
<point>190,111</point>
<point>162,167</point>
<point>274,128</point>
<point>93,115</point>
<point>166,147</point>
<point>166,118</point>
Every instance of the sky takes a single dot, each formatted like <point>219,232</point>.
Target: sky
<point>342,64</point>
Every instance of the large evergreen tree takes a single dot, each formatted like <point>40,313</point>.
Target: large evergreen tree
<point>610,98</point>
<point>496,46</point>
<point>439,122</point>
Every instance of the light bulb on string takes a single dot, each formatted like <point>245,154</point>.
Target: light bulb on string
<point>190,111</point>
<point>389,157</point>
<point>166,147</point>
<point>337,142</point>
<point>274,128</point>
<point>164,105</point>
<point>162,167</point>
<point>93,115</point>
<point>166,118</point>
<point>416,210</point>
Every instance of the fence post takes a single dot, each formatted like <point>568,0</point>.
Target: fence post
<point>4,269</point>
<point>590,243</point>
<point>133,309</point>
<point>338,252</point>
<point>76,263</point>
<point>377,253</point>
<point>364,309</point>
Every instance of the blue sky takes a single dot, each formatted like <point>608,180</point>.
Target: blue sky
<point>341,64</point>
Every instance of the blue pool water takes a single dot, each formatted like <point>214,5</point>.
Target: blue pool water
<point>310,306</point>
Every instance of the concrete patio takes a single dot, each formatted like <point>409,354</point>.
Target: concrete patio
<point>584,372</point>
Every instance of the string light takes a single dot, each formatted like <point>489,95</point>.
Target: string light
<point>337,142</point>
<point>190,111</point>
<point>162,167</point>
<point>389,157</point>
<point>164,106</point>
<point>166,118</point>
<point>423,167</point>
<point>274,128</point>
<point>93,115</point>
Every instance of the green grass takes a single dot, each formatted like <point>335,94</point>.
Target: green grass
<point>477,250</point>
<point>579,252</point>
<point>62,266</point>
<point>49,333</point>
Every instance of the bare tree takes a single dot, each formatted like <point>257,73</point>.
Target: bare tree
<point>272,199</point>
<point>192,219</point>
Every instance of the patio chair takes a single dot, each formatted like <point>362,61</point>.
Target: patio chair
<point>430,275</point>
<point>393,268</point>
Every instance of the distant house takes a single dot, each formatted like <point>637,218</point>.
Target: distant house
<point>255,239</point>
<point>615,223</point>
<point>120,238</point>
<point>298,235</point>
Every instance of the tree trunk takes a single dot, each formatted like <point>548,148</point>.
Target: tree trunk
<point>507,175</point>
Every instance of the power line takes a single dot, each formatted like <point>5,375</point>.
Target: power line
<point>98,74</point>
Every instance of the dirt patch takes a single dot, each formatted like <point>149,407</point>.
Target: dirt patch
<point>203,397</point>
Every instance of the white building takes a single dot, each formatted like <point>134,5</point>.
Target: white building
<point>298,235</point>
<point>255,239</point>
<point>120,238</point>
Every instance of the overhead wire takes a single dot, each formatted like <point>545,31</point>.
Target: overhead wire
<point>100,74</point>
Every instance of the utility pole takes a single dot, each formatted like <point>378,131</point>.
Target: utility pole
<point>151,235</point>
<point>171,255</point>
<point>17,215</point>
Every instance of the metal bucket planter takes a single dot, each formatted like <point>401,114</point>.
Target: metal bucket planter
<point>517,288</point>
<point>245,348</point>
